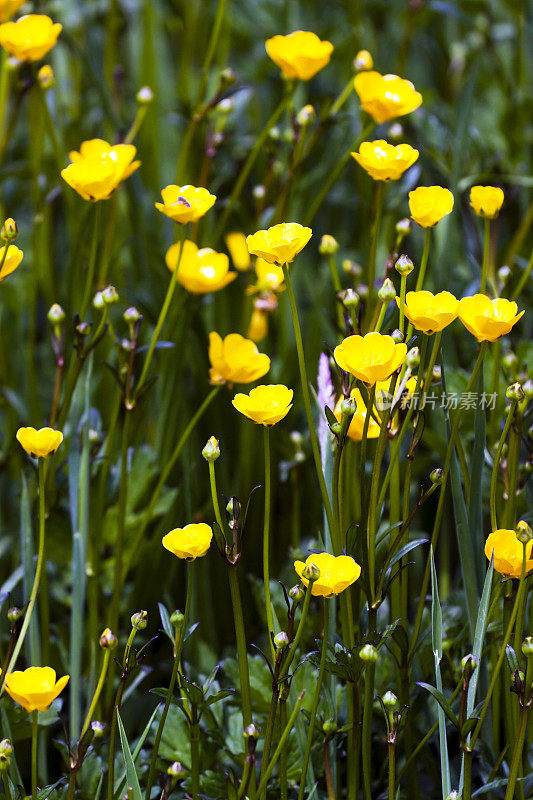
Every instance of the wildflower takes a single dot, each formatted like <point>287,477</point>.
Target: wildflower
<point>300,55</point>
<point>258,327</point>
<point>363,60</point>
<point>211,450</point>
<point>265,405</point>
<point>279,244</point>
<point>336,573</point>
<point>30,37</point>
<point>199,271</point>
<point>384,161</point>
<point>235,359</point>
<point>370,358</point>
<point>39,443</point>
<point>385,97</point>
<point>236,244</point>
<point>508,553</point>
<point>486,200</point>
<point>190,542</point>
<point>269,277</point>
<point>99,167</point>
<point>185,203</point>
<point>429,204</point>
<point>305,115</point>
<point>45,76</point>
<point>10,258</point>
<point>488,319</point>
<point>430,312</point>
<point>9,230</point>
<point>357,424</point>
<point>9,7</point>
<point>35,688</point>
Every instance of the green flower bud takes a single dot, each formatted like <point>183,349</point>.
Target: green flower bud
<point>139,620</point>
<point>297,593</point>
<point>396,132</point>
<point>523,532</point>
<point>98,728</point>
<point>527,646</point>
<point>510,362</point>
<point>9,230</point>
<point>281,640</point>
<point>274,133</point>
<point>305,116</point>
<point>228,76</point>
<point>368,654</point>
<point>98,301</point>
<point>504,273</point>
<point>251,732</point>
<point>390,701</point>
<point>259,191</point>
<point>211,450</point>
<point>436,475</point>
<point>110,295</point>
<point>403,226</point>
<point>514,393</point>
<point>404,266</point>
<point>311,572</point>
<point>348,406</point>
<point>6,747</point>
<point>56,315</point>
<point>351,268</point>
<point>108,640</point>
<point>328,245</point>
<point>329,727</point>
<point>226,105</point>
<point>175,770</point>
<point>349,298</point>
<point>145,96</point>
<point>131,315</point>
<point>84,328</point>
<point>14,614</point>
<point>397,336</point>
<point>387,292</point>
<point>412,358</point>
<point>177,618</point>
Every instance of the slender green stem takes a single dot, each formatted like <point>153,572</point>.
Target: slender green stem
<point>7,786</point>
<point>524,279</point>
<point>495,467</point>
<point>314,705</point>
<point>109,237</point>
<point>281,744</point>
<point>374,241</point>
<point>97,692</point>
<point>299,633</point>
<point>424,262</point>
<point>114,718</point>
<point>266,540</point>
<point>403,284</point>
<point>392,771</point>
<point>486,255</point>
<point>91,269</point>
<point>121,524</point>
<point>307,400</point>
<point>34,740</point>
<point>241,646</point>
<point>195,761</point>
<point>516,760</point>
<point>283,782</point>
<point>380,316</point>
<point>513,459</point>
<point>367,729</point>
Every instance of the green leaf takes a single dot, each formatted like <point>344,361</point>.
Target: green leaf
<point>131,772</point>
<point>441,700</point>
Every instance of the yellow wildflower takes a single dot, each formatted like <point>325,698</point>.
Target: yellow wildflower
<point>384,161</point>
<point>185,203</point>
<point>488,319</point>
<point>199,271</point>
<point>279,244</point>
<point>235,359</point>
<point>336,573</point>
<point>385,97</point>
<point>265,405</point>
<point>36,688</point>
<point>190,542</point>
<point>300,54</point>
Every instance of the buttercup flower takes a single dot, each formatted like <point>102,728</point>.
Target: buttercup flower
<point>488,319</point>
<point>235,359</point>
<point>429,204</point>
<point>39,443</point>
<point>258,327</point>
<point>363,60</point>
<point>236,244</point>
<point>357,424</point>
<point>385,97</point>
<point>269,277</point>
<point>185,203</point>
<point>8,8</point>
<point>384,161</point>
<point>370,358</point>
<point>36,688</point>
<point>336,573</point>
<point>508,553</point>
<point>199,271</point>
<point>265,405</point>
<point>30,37</point>
<point>190,542</point>
<point>98,168</point>
<point>300,54</point>
<point>279,244</point>
<point>430,312</point>
<point>486,200</point>
<point>12,259</point>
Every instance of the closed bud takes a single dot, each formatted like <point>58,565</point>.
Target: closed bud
<point>348,406</point>
<point>98,728</point>
<point>350,298</point>
<point>510,362</point>
<point>211,450</point>
<point>523,532</point>
<point>108,640</point>
<point>328,245</point>
<point>311,572</point>
<point>436,475</point>
<point>387,292</point>
<point>145,96</point>
<point>6,748</point>
<point>289,135</point>
<point>396,132</point>
<point>351,268</point>
<point>45,76</point>
<point>403,227</point>
<point>14,614</point>
<point>5,762</point>
<point>98,301</point>
<point>56,315</point>
<point>368,654</point>
<point>259,191</point>
<point>274,133</point>
<point>305,116</point>
<point>329,727</point>
<point>226,105</point>
<point>336,428</point>
<point>84,328</point>
<point>251,732</point>
<point>228,76</point>
<point>412,358</point>
<point>131,315</point>
<point>514,393</point>
<point>9,230</point>
<point>390,701</point>
<point>397,336</point>
<point>297,593</point>
<point>176,769</point>
<point>454,795</point>
<point>110,295</point>
<point>362,290</point>
<point>177,618</point>
<point>527,388</point>
<point>139,620</point>
<point>363,60</point>
<point>504,273</point>
<point>281,640</point>
<point>468,664</point>
<point>404,266</point>
<point>527,646</point>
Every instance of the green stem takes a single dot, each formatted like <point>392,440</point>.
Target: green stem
<point>403,285</point>
<point>495,467</point>
<point>283,782</point>
<point>97,692</point>
<point>114,718</point>
<point>266,541</point>
<point>424,262</point>
<point>241,646</point>
<point>7,786</point>
<point>307,400</point>
<point>281,745</point>
<point>91,268</point>
<point>109,237</point>
<point>513,458</point>
<point>486,255</point>
<point>378,213</point>
<point>195,761</point>
<point>516,760</point>
<point>367,729</point>
<point>392,771</point>
<point>525,277</point>
<point>34,740</point>
<point>121,524</point>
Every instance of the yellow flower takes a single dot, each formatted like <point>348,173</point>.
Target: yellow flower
<point>279,244</point>
<point>430,312</point>
<point>429,204</point>
<point>355,431</point>
<point>35,689</point>
<point>45,76</point>
<point>99,167</point>
<point>9,7</point>
<point>30,37</point>
<point>370,358</point>
<point>269,277</point>
<point>488,319</point>
<point>508,553</point>
<point>236,244</point>
<point>336,573</point>
<point>235,359</point>
<point>190,542</point>
<point>39,443</point>
<point>300,54</point>
<point>185,203</point>
<point>12,259</point>
<point>200,271</point>
<point>265,405</point>
<point>258,327</point>
<point>385,97</point>
<point>384,161</point>
<point>486,200</point>
<point>363,60</point>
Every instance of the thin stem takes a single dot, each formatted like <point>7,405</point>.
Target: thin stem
<point>424,262</point>
<point>195,762</point>
<point>97,692</point>
<point>114,723</point>
<point>403,284</point>
<point>121,525</point>
<point>392,771</point>
<point>367,729</point>
<point>486,255</point>
<point>281,745</point>
<point>516,760</point>
<point>7,786</point>
<point>495,466</point>
<point>380,199</point>
<point>34,740</point>
<point>266,540</point>
<point>525,277</point>
<point>91,269</point>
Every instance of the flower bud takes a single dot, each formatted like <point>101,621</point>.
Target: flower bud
<point>396,131</point>
<point>328,245</point>
<point>98,301</point>
<point>412,359</point>
<point>251,732</point>
<point>281,640</point>
<point>397,336</point>
<point>527,646</point>
<point>403,227</point>
<point>177,618</point>
<point>351,268</point>
<point>274,133</point>
<point>108,640</point>
<point>363,60</point>
<point>297,593</point>
<point>514,393</point>
<point>6,747</point>
<point>404,266</point>
<point>98,728</point>
<point>228,76</point>
<point>504,273</point>
<point>523,532</point>
<point>56,315</point>
<point>468,664</point>
<point>305,116</point>
<point>311,572</point>
<point>390,701</point>
<point>387,292</point>
<point>145,96</point>
<point>336,428</point>
<point>436,476</point>
<point>362,290</point>
<point>14,614</point>
<point>454,795</point>
<point>9,230</point>
<point>259,191</point>
<point>348,406</point>
<point>45,76</point>
<point>289,135</point>
<point>139,620</point>
<point>329,727</point>
<point>131,315</point>
<point>84,328</point>
<point>368,654</point>
<point>527,388</point>
<point>350,298</point>
<point>211,450</point>
<point>110,295</point>
<point>510,362</point>
<point>175,770</point>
